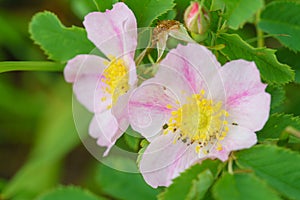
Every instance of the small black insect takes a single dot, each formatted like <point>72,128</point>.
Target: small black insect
<point>165,126</point>
<point>234,124</point>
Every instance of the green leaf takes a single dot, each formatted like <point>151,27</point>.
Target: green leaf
<point>123,185</point>
<point>183,185</point>
<point>181,6</point>
<point>201,185</point>
<point>102,5</point>
<point>242,186</point>
<point>30,66</point>
<point>279,167</point>
<point>292,59</point>
<point>148,10</point>
<point>282,17</point>
<point>74,193</point>
<point>270,69</point>
<point>132,139</point>
<point>277,95</point>
<point>276,125</point>
<point>58,42</point>
<point>237,12</point>
<point>217,5</point>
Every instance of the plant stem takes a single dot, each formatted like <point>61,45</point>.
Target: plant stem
<point>230,162</point>
<point>259,33</point>
<point>7,66</point>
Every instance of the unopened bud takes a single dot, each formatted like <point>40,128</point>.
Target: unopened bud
<point>196,18</point>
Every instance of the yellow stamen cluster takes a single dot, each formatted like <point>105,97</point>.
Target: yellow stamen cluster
<point>200,120</point>
<point>115,77</point>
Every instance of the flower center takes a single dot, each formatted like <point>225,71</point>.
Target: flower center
<point>200,120</point>
<point>115,77</point>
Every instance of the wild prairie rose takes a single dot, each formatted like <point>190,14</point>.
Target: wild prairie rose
<point>102,85</point>
<point>194,109</point>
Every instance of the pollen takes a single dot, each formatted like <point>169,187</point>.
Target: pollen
<point>115,78</point>
<point>169,106</point>
<point>200,121</point>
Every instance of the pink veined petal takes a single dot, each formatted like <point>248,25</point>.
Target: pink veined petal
<point>246,102</point>
<point>85,72</point>
<point>148,110</point>
<point>114,32</point>
<point>163,160</point>
<point>195,63</point>
<point>104,127</point>
<point>237,138</point>
<point>252,112</point>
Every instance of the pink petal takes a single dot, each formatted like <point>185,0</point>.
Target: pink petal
<point>247,102</point>
<point>175,83</point>
<point>114,32</point>
<point>252,112</point>
<point>120,111</point>
<point>85,72</point>
<point>237,138</point>
<point>131,70</point>
<point>148,110</point>
<point>104,127</point>
<point>163,160</point>
<point>195,63</point>
<point>83,65</point>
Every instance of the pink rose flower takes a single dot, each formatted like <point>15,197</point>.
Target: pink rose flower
<point>103,85</point>
<point>194,109</point>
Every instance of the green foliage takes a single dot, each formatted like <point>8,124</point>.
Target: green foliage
<point>271,70</point>
<point>102,5</point>
<point>187,184</point>
<point>242,186</point>
<point>237,12</point>
<point>74,193</point>
<point>279,167</point>
<point>276,125</point>
<point>132,139</point>
<point>124,185</point>
<point>282,19</point>
<point>58,42</point>
<point>148,10</point>
<point>201,185</point>
<point>292,59</point>
<point>277,95</point>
